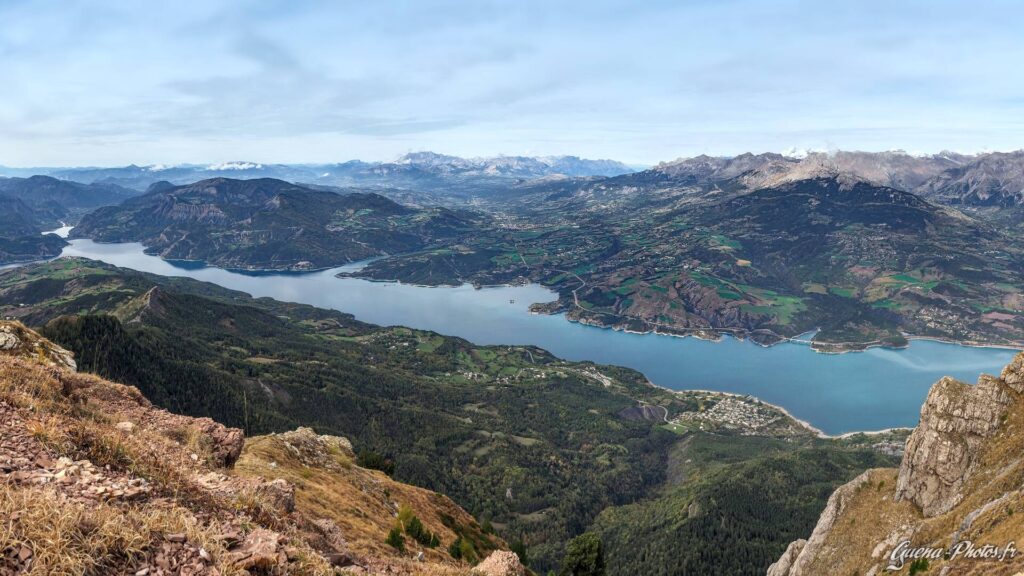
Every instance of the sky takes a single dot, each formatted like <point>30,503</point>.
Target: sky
<point>111,83</point>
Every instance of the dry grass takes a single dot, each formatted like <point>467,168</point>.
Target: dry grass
<point>359,501</point>
<point>868,518</point>
<point>74,539</point>
<point>29,386</point>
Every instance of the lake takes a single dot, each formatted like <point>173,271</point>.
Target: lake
<point>869,390</point>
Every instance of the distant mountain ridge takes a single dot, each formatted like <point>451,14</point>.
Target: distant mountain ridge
<point>987,179</point>
<point>428,170</point>
<point>29,206</point>
<point>983,180</point>
<point>995,180</point>
<point>44,202</point>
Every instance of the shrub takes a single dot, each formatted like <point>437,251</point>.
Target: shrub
<point>395,539</point>
<point>455,549</point>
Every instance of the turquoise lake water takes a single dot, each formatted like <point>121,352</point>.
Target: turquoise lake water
<point>868,390</point>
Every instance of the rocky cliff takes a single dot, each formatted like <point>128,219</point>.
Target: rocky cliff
<point>951,505</point>
<point>94,479</point>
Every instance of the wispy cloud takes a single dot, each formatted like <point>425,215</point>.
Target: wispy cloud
<point>111,82</point>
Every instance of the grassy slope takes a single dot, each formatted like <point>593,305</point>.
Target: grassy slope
<point>184,486</point>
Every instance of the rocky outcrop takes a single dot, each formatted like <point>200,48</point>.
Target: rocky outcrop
<point>1013,374</point>
<point>261,550</point>
<point>958,483</point>
<point>500,563</point>
<point>806,552</point>
<point>315,450</point>
<point>17,340</point>
<point>941,453</point>
<point>783,565</point>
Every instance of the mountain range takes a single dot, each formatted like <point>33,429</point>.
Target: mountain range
<point>55,200</point>
<point>982,179</point>
<point>425,171</point>
<point>684,252</point>
<point>866,247</point>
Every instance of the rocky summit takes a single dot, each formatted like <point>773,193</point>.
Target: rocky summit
<point>949,508</point>
<point>95,480</point>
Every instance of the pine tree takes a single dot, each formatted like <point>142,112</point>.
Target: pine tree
<point>414,528</point>
<point>520,550</point>
<point>455,549</point>
<point>584,556</point>
<point>396,540</point>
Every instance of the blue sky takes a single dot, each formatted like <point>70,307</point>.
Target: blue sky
<point>111,83</point>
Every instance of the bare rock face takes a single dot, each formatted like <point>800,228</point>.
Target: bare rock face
<point>806,552</point>
<point>500,563</point>
<point>17,340</point>
<point>280,494</point>
<point>226,442</point>
<point>261,550</point>
<point>313,450</point>
<point>783,565</point>
<point>1013,374</point>
<point>955,420</point>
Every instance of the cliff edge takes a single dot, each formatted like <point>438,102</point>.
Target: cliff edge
<point>955,506</point>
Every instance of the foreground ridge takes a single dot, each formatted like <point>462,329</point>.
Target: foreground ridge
<point>96,480</point>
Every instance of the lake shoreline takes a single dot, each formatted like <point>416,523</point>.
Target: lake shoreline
<point>716,335</point>
<point>835,394</point>
<point>706,334</point>
<point>803,423</point>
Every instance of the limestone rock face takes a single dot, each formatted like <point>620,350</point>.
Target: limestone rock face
<point>783,565</point>
<point>940,455</point>
<point>800,565</point>
<point>500,563</point>
<point>1013,374</point>
<point>313,450</point>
